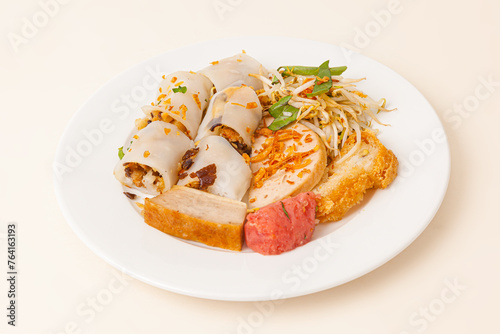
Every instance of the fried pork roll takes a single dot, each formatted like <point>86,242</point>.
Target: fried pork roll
<point>215,166</point>
<point>235,114</point>
<point>182,100</point>
<point>234,71</point>
<point>151,164</point>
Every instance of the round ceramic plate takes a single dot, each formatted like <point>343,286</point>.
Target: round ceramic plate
<point>372,233</point>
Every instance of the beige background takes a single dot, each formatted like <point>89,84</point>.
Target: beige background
<point>445,48</point>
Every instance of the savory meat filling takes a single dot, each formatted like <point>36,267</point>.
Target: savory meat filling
<point>157,115</point>
<point>206,177</point>
<point>203,178</point>
<point>234,139</point>
<point>187,161</point>
<point>140,174</point>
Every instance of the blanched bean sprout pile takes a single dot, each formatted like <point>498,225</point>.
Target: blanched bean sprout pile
<point>330,104</point>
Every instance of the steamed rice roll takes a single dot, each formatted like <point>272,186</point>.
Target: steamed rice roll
<point>182,100</point>
<point>234,71</point>
<point>235,114</point>
<point>152,162</point>
<point>215,166</point>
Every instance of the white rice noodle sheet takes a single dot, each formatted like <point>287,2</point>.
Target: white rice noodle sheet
<point>188,107</point>
<point>235,107</point>
<point>234,71</point>
<point>159,145</point>
<point>233,174</point>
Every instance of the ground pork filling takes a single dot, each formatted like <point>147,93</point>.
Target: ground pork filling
<point>157,115</point>
<point>139,173</point>
<point>187,161</point>
<point>234,139</point>
<point>203,178</point>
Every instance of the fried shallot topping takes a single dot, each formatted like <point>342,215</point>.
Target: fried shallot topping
<point>275,155</point>
<point>157,115</point>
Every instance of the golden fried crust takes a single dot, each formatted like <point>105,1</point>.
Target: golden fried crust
<point>371,166</point>
<point>177,212</point>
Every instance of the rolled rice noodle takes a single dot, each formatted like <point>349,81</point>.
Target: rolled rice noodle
<point>230,108</point>
<point>233,173</point>
<point>234,71</point>
<point>160,146</point>
<point>186,108</point>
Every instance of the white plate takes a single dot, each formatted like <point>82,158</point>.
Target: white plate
<point>373,233</point>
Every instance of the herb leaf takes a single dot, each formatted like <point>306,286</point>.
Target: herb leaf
<point>120,153</point>
<point>277,108</point>
<point>180,89</point>
<point>323,87</point>
<point>283,113</point>
<point>309,70</point>
<point>284,210</point>
<point>337,70</point>
<point>275,80</point>
<point>282,120</point>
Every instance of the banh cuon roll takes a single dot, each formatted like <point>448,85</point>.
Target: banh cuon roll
<point>151,163</point>
<point>235,71</point>
<point>234,113</point>
<point>215,166</point>
<point>182,100</point>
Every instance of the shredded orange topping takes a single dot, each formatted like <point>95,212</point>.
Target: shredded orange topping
<point>136,137</point>
<point>174,79</point>
<point>183,110</point>
<point>161,96</point>
<point>160,89</point>
<point>239,60</point>
<point>291,182</point>
<point>251,105</point>
<point>179,83</point>
<point>248,129</point>
<point>167,101</point>
<point>167,131</point>
<point>247,158</point>
<point>196,99</point>
<point>163,77</point>
<point>275,155</point>
<point>307,91</point>
<point>146,154</point>
<point>302,172</point>
<point>264,132</point>
<point>214,62</point>
<point>237,104</point>
<point>252,200</point>
<point>358,93</point>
